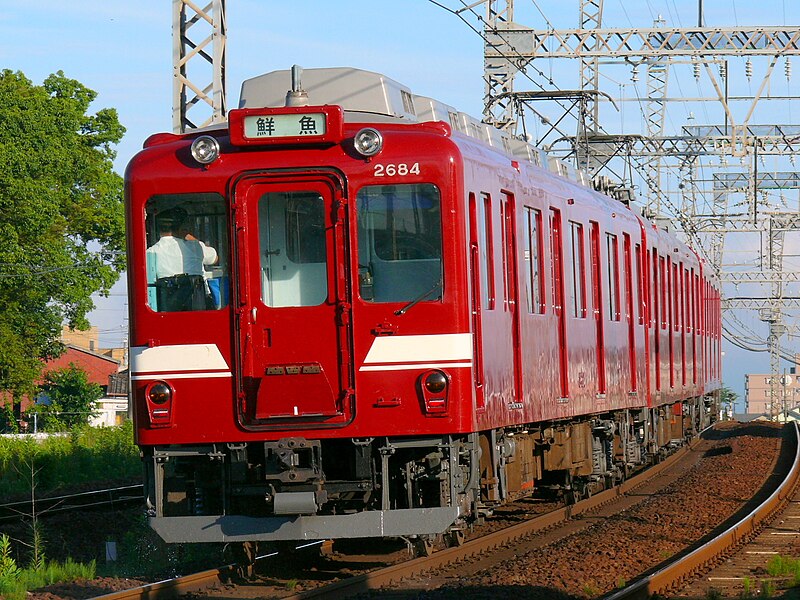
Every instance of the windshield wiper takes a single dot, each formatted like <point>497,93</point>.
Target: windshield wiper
<point>418,299</point>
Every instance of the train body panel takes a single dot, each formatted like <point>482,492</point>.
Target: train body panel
<point>397,325</point>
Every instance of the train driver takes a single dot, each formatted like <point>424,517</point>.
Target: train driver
<point>175,265</point>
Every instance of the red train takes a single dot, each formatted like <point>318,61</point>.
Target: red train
<point>370,315</point>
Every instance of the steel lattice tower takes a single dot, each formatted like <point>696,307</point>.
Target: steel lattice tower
<point>198,64</point>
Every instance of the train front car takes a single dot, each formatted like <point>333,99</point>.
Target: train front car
<point>300,345</point>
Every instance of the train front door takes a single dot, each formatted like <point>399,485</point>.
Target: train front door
<point>292,302</point>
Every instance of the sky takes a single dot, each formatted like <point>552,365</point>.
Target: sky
<point>123,51</point>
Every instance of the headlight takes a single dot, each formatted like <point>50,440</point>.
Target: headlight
<point>205,149</point>
<point>435,382</point>
<point>159,392</point>
<point>368,142</point>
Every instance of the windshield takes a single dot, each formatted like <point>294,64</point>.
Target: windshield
<point>399,242</point>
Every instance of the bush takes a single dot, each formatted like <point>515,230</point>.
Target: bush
<point>84,455</point>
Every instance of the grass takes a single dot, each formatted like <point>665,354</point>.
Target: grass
<point>590,589</point>
<point>15,582</point>
<point>84,455</point>
<point>53,572</point>
<point>784,566</point>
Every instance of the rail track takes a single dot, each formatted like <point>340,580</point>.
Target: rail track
<point>487,547</point>
<point>489,551</point>
<point>738,558</point>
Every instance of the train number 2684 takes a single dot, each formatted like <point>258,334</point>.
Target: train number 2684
<point>391,170</point>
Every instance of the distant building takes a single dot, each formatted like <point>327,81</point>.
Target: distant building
<point>104,367</point>
<point>757,398</point>
<point>757,392</point>
<point>90,340</point>
<point>113,406</point>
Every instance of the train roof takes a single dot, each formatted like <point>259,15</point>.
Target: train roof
<point>376,97</point>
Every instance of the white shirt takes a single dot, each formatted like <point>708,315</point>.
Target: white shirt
<point>173,256</point>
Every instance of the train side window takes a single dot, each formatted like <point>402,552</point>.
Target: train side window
<point>487,269</point>
<point>613,277</point>
<point>534,267</point>
<point>677,291</point>
<point>663,276</point>
<point>639,279</point>
<point>687,300</point>
<point>654,291</point>
<point>187,252</point>
<point>400,242</point>
<point>578,271</point>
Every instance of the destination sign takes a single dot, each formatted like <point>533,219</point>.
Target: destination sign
<point>292,125</point>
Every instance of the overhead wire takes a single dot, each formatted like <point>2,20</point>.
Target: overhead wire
<point>525,65</point>
<point>519,56</point>
<point>544,16</point>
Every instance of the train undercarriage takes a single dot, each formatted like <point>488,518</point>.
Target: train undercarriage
<point>416,488</point>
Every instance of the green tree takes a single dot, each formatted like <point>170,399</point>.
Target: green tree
<point>727,400</point>
<point>61,218</point>
<point>72,398</point>
<point>8,424</point>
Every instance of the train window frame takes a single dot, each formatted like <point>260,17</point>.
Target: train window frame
<point>504,258</point>
<point>488,267</point>
<point>533,256</point>
<point>412,271</point>
<point>577,247</point>
<point>663,276</point>
<point>676,296</point>
<point>640,282</point>
<point>612,249</point>
<point>204,219</point>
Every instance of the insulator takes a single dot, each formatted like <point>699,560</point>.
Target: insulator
<point>723,69</point>
<point>635,73</point>
<point>748,69</point>
<point>792,159</point>
<point>787,68</point>
<point>696,67</point>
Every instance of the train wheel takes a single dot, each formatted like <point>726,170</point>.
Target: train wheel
<point>422,547</point>
<point>244,556</point>
<point>455,538</point>
<point>572,496</point>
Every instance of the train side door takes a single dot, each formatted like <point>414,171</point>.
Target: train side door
<point>475,285</point>
<point>292,302</point>
<point>512,287</point>
<point>557,265</point>
<point>597,301</point>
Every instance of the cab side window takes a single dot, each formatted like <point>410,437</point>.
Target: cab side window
<point>187,246</point>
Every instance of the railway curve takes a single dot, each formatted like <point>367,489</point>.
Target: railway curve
<point>488,552</point>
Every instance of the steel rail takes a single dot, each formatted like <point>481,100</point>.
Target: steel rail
<point>170,588</point>
<point>670,576</point>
